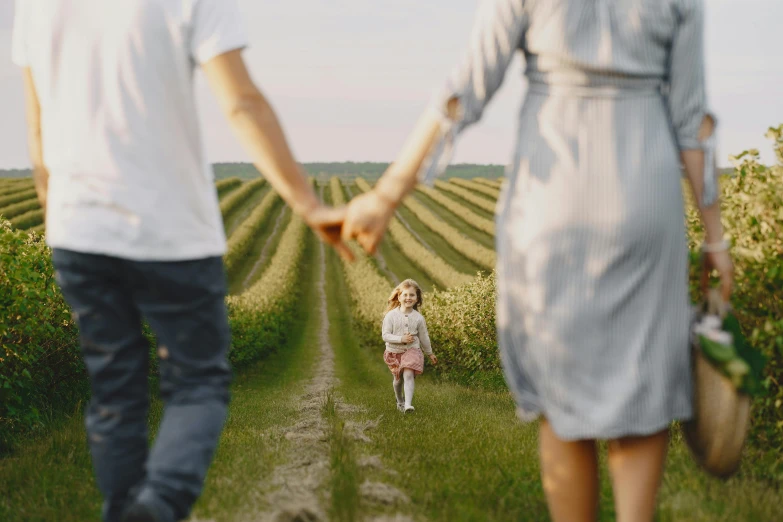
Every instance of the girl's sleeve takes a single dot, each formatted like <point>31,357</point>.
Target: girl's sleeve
<point>424,337</point>
<point>687,99</point>
<point>387,329</point>
<point>497,33</point>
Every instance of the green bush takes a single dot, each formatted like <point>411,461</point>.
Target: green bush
<point>40,367</point>
<point>752,211</point>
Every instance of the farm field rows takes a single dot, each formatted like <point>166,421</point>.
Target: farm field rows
<point>311,384</point>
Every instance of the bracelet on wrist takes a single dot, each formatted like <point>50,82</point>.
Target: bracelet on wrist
<point>718,246</point>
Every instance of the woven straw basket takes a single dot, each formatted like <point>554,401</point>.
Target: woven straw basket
<point>721,415</point>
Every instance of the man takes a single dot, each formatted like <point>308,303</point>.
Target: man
<point>133,220</point>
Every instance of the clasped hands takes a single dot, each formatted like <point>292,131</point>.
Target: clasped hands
<point>364,219</point>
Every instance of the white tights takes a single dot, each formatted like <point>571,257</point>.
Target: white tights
<point>409,382</point>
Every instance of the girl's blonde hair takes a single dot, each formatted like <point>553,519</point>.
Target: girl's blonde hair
<point>394,298</point>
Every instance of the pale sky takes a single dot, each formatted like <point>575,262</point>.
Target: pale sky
<point>348,78</point>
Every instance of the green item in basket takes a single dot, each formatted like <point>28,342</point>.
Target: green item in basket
<point>727,349</point>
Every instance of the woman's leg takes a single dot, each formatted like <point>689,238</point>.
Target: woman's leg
<point>569,474</point>
<point>636,465</point>
<point>410,382</point>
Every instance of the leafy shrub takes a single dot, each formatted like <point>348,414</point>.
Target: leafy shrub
<point>752,212</point>
<point>39,348</point>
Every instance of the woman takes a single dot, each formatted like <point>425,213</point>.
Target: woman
<point>593,308</point>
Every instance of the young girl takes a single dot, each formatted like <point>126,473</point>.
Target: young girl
<point>405,333</point>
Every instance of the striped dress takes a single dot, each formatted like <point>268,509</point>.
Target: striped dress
<point>593,310</point>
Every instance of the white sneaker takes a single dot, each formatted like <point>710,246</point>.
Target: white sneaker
<point>409,409</point>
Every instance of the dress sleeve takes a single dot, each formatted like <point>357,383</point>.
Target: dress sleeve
<point>388,326</point>
<point>424,337</point>
<point>497,33</point>
<point>687,96</point>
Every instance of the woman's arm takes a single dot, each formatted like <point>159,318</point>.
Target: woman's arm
<point>497,34</point>
<point>694,131</point>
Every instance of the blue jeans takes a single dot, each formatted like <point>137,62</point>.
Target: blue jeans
<point>183,302</point>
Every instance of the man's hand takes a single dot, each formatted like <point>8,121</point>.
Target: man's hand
<point>366,220</point>
<point>327,223</point>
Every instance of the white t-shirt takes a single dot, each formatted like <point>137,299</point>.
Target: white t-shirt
<point>121,138</point>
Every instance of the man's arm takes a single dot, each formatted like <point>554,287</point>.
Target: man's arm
<point>34,143</point>
<point>258,129</point>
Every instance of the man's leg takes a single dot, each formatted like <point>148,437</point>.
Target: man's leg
<point>117,356</point>
<point>184,303</point>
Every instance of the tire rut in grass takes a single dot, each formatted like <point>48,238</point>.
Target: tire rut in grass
<point>321,478</point>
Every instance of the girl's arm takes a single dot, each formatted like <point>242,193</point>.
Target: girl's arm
<point>386,331</point>
<point>424,337</point>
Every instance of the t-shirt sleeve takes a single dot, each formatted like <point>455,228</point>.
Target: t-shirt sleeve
<point>217,29</point>
<point>19,53</point>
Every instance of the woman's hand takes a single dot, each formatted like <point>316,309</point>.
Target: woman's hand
<point>407,339</point>
<point>720,262</point>
<point>433,359</point>
<point>366,220</point>
<point>327,223</point>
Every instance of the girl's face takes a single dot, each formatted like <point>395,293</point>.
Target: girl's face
<point>408,297</point>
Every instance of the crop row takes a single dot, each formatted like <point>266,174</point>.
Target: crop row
<point>261,316</point>
<point>29,219</point>
<point>233,201</point>
<point>241,241</point>
<point>481,202</point>
<point>17,209</point>
<point>491,192</point>
<point>12,186</point>
<point>368,288</point>
<point>16,197</point>
<point>494,183</point>
<point>227,185</point>
<point>477,253</point>
<point>468,216</point>
<point>431,263</point>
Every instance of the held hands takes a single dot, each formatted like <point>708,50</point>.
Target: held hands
<point>366,220</point>
<point>327,223</point>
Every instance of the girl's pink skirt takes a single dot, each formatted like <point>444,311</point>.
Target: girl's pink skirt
<point>412,358</point>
